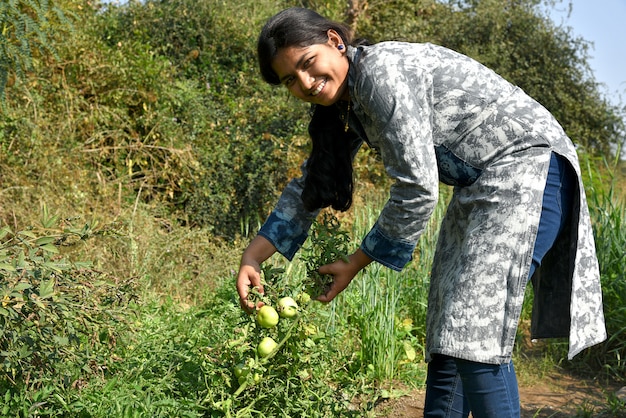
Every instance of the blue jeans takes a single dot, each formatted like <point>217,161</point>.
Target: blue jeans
<point>455,386</point>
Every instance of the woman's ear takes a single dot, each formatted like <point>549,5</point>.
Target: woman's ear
<point>334,39</point>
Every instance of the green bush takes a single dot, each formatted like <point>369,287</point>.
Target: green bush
<point>26,29</point>
<point>213,104</point>
<point>518,41</point>
<point>57,317</point>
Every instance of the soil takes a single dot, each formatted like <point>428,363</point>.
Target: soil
<point>557,396</point>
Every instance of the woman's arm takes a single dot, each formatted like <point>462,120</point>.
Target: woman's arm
<point>394,97</point>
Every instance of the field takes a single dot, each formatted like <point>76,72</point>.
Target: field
<point>139,154</point>
<point>170,345</point>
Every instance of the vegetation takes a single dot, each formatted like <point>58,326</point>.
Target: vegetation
<point>517,40</point>
<point>139,152</point>
<point>26,28</point>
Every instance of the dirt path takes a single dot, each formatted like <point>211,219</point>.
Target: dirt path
<point>557,396</point>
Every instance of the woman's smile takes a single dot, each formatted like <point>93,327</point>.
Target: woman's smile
<point>319,88</point>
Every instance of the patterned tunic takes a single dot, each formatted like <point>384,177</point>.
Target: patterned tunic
<point>436,115</point>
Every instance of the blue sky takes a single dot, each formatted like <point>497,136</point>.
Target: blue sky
<point>602,23</point>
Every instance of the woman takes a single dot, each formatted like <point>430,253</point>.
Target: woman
<point>518,210</point>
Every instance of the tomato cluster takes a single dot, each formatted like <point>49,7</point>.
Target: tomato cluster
<point>267,318</point>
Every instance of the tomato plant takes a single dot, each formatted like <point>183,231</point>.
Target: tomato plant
<point>328,243</point>
<point>281,344</point>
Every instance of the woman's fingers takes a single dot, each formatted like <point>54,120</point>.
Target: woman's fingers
<point>248,278</point>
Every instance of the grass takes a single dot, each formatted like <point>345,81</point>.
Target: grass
<point>608,210</point>
<point>389,308</point>
<point>174,353</point>
<point>86,136</point>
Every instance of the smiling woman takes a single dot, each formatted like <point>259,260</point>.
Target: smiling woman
<point>309,55</point>
<point>518,210</point>
<point>318,73</point>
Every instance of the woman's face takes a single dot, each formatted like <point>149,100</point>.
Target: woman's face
<point>317,73</point>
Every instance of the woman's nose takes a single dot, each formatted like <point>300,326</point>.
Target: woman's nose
<point>306,81</point>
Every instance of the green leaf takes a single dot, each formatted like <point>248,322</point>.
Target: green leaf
<point>50,222</point>
<point>47,220</point>
<point>46,289</point>
<point>7,267</point>
<point>38,302</point>
<point>17,295</point>
<point>24,352</point>
<point>50,248</point>
<point>44,240</point>
<point>21,286</point>
<point>3,311</point>
<point>409,351</point>
<point>61,341</point>
<point>57,266</point>
<point>27,234</point>
<point>4,231</point>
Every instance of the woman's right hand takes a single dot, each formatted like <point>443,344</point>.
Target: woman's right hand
<point>259,250</point>
<point>249,277</point>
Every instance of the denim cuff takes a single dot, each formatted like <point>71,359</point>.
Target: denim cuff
<point>285,235</point>
<point>388,252</point>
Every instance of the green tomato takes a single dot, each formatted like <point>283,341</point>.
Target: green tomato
<point>304,298</point>
<point>241,370</point>
<point>287,307</point>
<point>266,346</point>
<point>256,378</point>
<point>267,316</point>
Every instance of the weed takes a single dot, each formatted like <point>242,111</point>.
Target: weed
<point>328,243</point>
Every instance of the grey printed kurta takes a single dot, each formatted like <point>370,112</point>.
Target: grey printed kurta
<point>436,115</point>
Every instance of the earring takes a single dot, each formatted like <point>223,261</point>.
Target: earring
<point>340,47</point>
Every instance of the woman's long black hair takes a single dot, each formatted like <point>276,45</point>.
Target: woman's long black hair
<point>329,178</point>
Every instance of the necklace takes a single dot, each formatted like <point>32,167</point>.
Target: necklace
<point>346,118</point>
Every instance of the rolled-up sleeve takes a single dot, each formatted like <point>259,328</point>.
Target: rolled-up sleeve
<point>389,252</point>
<point>288,225</point>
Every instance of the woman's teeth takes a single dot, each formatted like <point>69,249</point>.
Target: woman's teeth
<point>319,88</point>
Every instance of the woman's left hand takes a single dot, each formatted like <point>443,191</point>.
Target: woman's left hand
<point>343,272</point>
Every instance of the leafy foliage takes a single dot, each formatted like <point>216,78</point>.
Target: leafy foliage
<point>293,379</point>
<point>238,146</point>
<point>26,26</point>
<point>162,99</point>
<point>56,316</point>
<point>519,41</point>
<point>152,118</point>
<point>328,243</point>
